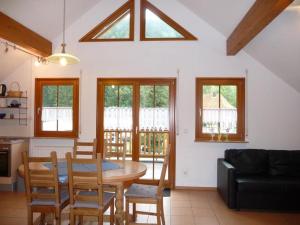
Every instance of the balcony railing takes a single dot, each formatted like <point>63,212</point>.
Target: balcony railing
<point>153,143</point>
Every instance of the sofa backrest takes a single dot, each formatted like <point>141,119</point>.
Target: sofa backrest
<point>264,162</point>
<point>284,163</point>
<point>248,161</point>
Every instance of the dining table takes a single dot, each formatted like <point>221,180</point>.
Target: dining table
<point>126,171</point>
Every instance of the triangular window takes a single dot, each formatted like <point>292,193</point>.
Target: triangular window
<point>155,25</point>
<point>119,26</point>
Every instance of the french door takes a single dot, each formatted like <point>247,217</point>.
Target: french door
<point>141,114</point>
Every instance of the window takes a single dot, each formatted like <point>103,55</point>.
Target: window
<point>155,25</point>
<point>119,26</point>
<point>220,109</point>
<point>56,107</point>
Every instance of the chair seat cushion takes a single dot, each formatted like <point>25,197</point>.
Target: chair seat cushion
<point>64,196</point>
<point>107,197</point>
<point>268,184</point>
<point>142,191</point>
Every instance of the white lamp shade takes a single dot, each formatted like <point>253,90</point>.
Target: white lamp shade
<point>63,59</point>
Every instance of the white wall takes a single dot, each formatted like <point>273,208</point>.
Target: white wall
<point>272,106</point>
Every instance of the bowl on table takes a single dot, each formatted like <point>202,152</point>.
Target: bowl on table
<point>2,115</point>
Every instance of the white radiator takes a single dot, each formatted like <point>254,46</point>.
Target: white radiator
<point>43,147</point>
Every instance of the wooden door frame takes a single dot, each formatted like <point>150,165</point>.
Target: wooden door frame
<point>141,81</point>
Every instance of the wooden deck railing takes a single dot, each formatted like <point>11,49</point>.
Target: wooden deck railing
<point>153,143</point>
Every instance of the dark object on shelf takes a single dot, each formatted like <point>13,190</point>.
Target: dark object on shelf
<point>260,179</point>
<point>15,104</point>
<point>2,115</point>
<point>2,90</point>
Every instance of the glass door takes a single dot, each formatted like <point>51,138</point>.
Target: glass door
<point>154,127</point>
<point>118,117</point>
<point>140,113</point>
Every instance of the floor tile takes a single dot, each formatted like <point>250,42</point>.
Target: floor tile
<point>206,220</point>
<point>182,208</point>
<point>182,220</point>
<point>180,211</point>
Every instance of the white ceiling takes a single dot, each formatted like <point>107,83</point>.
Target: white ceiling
<point>45,16</point>
<point>42,16</point>
<point>277,47</point>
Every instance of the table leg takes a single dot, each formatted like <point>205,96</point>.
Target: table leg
<point>120,205</point>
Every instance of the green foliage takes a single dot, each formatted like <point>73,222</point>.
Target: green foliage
<point>229,92</point>
<point>150,96</point>
<point>154,96</point>
<point>58,96</point>
<point>118,96</point>
<point>157,28</point>
<point>119,30</point>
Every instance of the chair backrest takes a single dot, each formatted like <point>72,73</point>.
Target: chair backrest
<point>116,150</point>
<point>41,183</point>
<point>80,148</point>
<point>82,179</point>
<point>163,172</point>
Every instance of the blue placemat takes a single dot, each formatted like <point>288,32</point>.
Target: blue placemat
<point>63,168</point>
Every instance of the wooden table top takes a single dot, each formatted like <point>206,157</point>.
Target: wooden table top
<point>130,170</point>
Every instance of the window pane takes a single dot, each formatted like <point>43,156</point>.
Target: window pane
<point>157,28</point>
<point>125,93</point>
<point>49,112</point>
<point>118,107</point>
<point>162,96</point>
<point>65,108</point>
<point>161,110</point>
<point>111,96</point>
<point>120,28</point>
<point>210,109</point>
<point>153,127</point>
<point>228,112</point>
<point>118,116</point>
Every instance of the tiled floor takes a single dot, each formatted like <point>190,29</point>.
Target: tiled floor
<point>182,208</point>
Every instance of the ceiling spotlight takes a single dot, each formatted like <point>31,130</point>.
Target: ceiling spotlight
<point>37,63</point>
<point>6,48</point>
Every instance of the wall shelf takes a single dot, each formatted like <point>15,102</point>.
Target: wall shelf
<point>18,113</point>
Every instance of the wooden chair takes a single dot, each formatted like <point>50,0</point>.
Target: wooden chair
<point>86,194</point>
<point>116,150</point>
<point>148,194</point>
<point>79,151</point>
<point>44,194</point>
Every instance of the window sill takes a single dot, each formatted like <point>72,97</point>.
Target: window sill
<point>42,137</point>
<point>222,141</point>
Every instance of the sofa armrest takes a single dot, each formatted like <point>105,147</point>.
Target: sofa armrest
<point>226,183</point>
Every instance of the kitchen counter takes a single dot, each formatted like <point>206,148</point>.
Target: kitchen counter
<point>12,140</point>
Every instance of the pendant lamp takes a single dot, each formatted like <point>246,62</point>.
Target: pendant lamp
<point>63,58</point>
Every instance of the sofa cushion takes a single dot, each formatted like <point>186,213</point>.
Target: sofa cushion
<point>248,161</point>
<point>268,184</point>
<point>284,163</point>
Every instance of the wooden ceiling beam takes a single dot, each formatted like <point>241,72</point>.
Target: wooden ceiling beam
<point>257,18</point>
<point>20,35</point>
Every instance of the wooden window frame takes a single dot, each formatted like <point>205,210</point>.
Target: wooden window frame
<point>107,23</point>
<point>39,83</point>
<point>240,83</point>
<point>187,36</point>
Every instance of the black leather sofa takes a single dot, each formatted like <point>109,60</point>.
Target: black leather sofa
<point>260,179</point>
